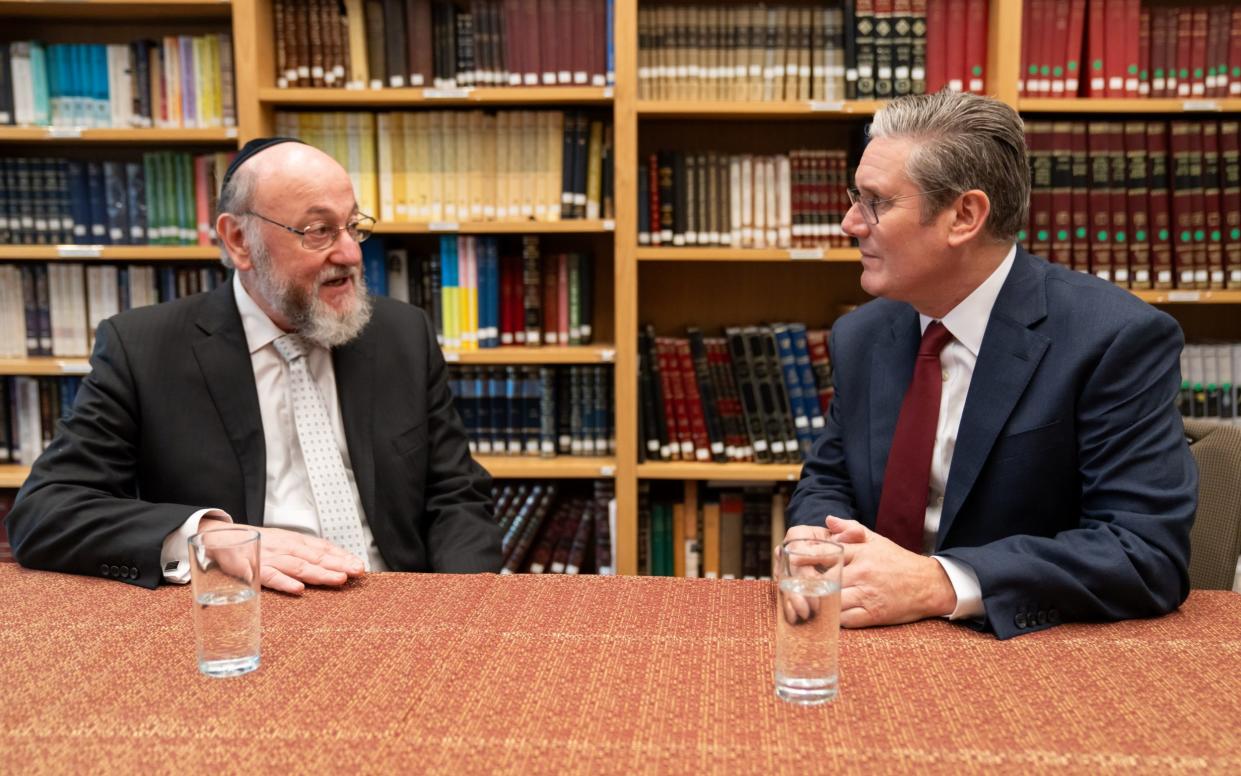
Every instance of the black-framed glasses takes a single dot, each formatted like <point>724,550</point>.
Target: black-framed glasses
<point>319,236</point>
<point>870,209</point>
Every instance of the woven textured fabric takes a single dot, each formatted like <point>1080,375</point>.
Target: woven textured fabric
<point>1215,541</point>
<point>542,674</point>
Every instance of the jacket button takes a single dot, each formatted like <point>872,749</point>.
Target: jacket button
<point>133,572</point>
<point>1020,620</point>
<point>1053,616</point>
<point>124,571</point>
<point>114,570</point>
<point>1042,617</point>
<point>103,569</point>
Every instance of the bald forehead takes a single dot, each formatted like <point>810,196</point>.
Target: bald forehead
<point>295,179</point>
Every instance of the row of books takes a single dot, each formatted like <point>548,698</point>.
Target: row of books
<point>557,527</point>
<point>854,50</point>
<point>485,292</point>
<point>178,81</point>
<point>1141,203</point>
<point>1132,49</point>
<point>794,200</point>
<point>1211,381</point>
<point>759,393</point>
<point>53,308</point>
<point>539,411</point>
<point>452,166</point>
<point>728,534</point>
<point>29,410</point>
<point>444,45</point>
<point>159,198</point>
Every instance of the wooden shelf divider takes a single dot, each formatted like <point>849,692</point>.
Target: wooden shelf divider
<point>109,252</point>
<point>134,136</point>
<point>715,253</point>
<point>422,97</point>
<point>561,467</point>
<point>572,226</point>
<point>729,472</point>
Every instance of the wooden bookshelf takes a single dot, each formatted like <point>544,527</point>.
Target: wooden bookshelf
<point>44,366</point>
<point>714,109</point>
<point>411,96</point>
<point>1208,106</point>
<point>692,253</point>
<point>520,354</point>
<point>726,472</point>
<point>214,136</point>
<point>109,252</point>
<point>12,475</point>
<point>571,226</point>
<point>113,10</point>
<point>563,467</point>
<point>1186,296</point>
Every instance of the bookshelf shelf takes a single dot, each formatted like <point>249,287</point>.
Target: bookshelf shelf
<point>730,472</point>
<point>1189,297</point>
<point>518,95</point>
<point>137,10</point>
<point>109,252</point>
<point>566,467</point>
<point>1100,105</point>
<point>44,366</point>
<point>579,226</point>
<point>845,255</point>
<point>713,109</point>
<point>213,136</point>
<point>12,475</point>
<point>519,354</point>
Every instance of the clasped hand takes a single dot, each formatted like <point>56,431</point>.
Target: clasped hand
<point>288,560</point>
<point>882,583</point>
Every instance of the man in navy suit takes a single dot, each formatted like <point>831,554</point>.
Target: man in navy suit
<point>195,415</point>
<point>1060,486</point>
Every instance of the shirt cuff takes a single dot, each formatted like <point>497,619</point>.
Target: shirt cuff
<point>174,558</point>
<point>965,584</point>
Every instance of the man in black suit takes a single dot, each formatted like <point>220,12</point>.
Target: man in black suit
<point>1039,472</point>
<point>197,413</point>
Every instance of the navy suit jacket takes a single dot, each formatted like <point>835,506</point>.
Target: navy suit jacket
<point>167,423</point>
<point>1072,489</point>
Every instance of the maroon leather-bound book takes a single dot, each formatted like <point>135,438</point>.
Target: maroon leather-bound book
<point>937,45</point>
<point>1095,72</point>
<point>1118,202</point>
<point>1138,191</point>
<point>1182,204</point>
<point>1038,139</point>
<point>1080,196</point>
<point>1061,144</point>
<point>1075,68</point>
<point>958,23</point>
<point>1212,206</point>
<point>418,40</point>
<point>1100,201</point>
<point>1132,32</point>
<point>1159,167</point>
<point>1184,51</point>
<point>1230,200</point>
<point>1198,53</point>
<point>693,401</point>
<point>976,46</point>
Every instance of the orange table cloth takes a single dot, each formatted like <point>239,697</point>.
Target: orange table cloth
<point>549,674</point>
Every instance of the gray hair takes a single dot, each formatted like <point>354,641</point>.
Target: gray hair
<point>236,199</point>
<point>963,141</point>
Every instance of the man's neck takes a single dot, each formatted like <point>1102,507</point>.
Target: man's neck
<point>976,263</point>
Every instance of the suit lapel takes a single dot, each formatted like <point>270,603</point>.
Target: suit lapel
<point>224,360</point>
<point>1007,360</point>
<point>354,365</point>
<point>891,370</point>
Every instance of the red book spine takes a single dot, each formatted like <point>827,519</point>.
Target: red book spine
<point>552,49</point>
<point>1114,48</point>
<point>1230,198</point>
<point>1197,206</point>
<point>1234,53</point>
<point>1212,210</point>
<point>670,383</point>
<point>954,68</point>
<point>1158,163</point>
<point>1217,51</point>
<point>821,364</point>
<point>1061,193</point>
<point>1118,202</point>
<point>1038,138</point>
<point>562,306</point>
<point>652,167</point>
<point>1027,29</point>
<point>1096,80</point>
<point>514,34</point>
<point>1198,53</point>
<point>1182,205</point>
<point>534,43</point>
<point>693,402</point>
<point>507,279</point>
<point>1159,52</point>
<point>1041,49</point>
<point>1184,51</point>
<point>936,45</point>
<point>1081,198</point>
<point>1061,43</point>
<point>1100,202</point>
<point>1138,201</point>
<point>1074,66</point>
<point>1144,52</point>
<point>975,77</point>
<point>1133,20</point>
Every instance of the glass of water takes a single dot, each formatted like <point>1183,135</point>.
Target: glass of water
<point>807,620</point>
<point>224,575</point>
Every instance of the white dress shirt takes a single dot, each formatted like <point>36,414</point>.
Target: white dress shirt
<point>967,322</point>
<point>288,501</point>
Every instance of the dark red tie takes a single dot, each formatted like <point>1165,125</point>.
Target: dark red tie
<point>907,479</point>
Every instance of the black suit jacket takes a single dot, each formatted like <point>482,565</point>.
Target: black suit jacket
<point>1072,489</point>
<point>167,423</point>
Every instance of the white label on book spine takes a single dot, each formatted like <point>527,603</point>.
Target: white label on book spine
<point>1212,105</point>
<point>607,355</point>
<point>609,225</point>
<point>806,253</point>
<point>64,132</point>
<point>831,106</point>
<point>1184,296</point>
<point>447,94</point>
<point>79,251</point>
<point>444,226</point>
<point>717,448</point>
<point>231,133</point>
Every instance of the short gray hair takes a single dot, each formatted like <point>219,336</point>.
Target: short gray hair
<point>236,199</point>
<point>963,141</point>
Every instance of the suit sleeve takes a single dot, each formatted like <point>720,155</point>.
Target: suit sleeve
<point>1128,555</point>
<point>462,534</point>
<point>79,510</point>
<point>825,487</point>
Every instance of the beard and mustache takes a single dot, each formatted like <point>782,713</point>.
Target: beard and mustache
<point>309,315</point>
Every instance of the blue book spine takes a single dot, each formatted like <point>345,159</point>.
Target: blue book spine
<point>512,403</point>
<point>530,404</point>
<point>99,81</point>
<point>167,284</point>
<point>611,45</point>
<point>55,90</point>
<point>39,84</point>
<point>117,202</point>
<point>499,408</point>
<point>810,396</point>
<point>135,188</point>
<point>374,267</point>
<point>97,199</point>
<point>792,386</point>
<point>493,292</point>
<point>122,288</point>
<point>482,410</point>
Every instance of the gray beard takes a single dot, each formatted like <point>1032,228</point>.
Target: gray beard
<point>309,315</point>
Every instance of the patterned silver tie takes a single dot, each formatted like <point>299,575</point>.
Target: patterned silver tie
<point>338,514</point>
